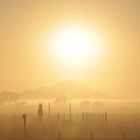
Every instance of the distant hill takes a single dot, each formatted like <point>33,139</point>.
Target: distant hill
<point>70,89</point>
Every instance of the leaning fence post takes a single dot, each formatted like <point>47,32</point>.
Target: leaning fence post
<point>24,123</point>
<point>40,113</point>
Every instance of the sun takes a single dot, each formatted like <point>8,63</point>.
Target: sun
<point>76,45</point>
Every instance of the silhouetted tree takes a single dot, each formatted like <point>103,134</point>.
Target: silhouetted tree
<point>7,98</point>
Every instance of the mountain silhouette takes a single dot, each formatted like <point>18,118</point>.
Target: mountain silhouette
<point>70,89</point>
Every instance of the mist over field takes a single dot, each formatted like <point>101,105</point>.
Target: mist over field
<point>67,116</point>
<point>69,70</point>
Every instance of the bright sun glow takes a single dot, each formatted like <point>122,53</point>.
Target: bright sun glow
<point>77,45</point>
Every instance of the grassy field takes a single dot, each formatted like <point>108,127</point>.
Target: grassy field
<point>60,126</point>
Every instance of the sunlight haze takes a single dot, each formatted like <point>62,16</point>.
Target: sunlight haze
<point>91,42</point>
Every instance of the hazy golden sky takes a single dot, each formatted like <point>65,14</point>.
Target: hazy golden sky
<point>25,23</point>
